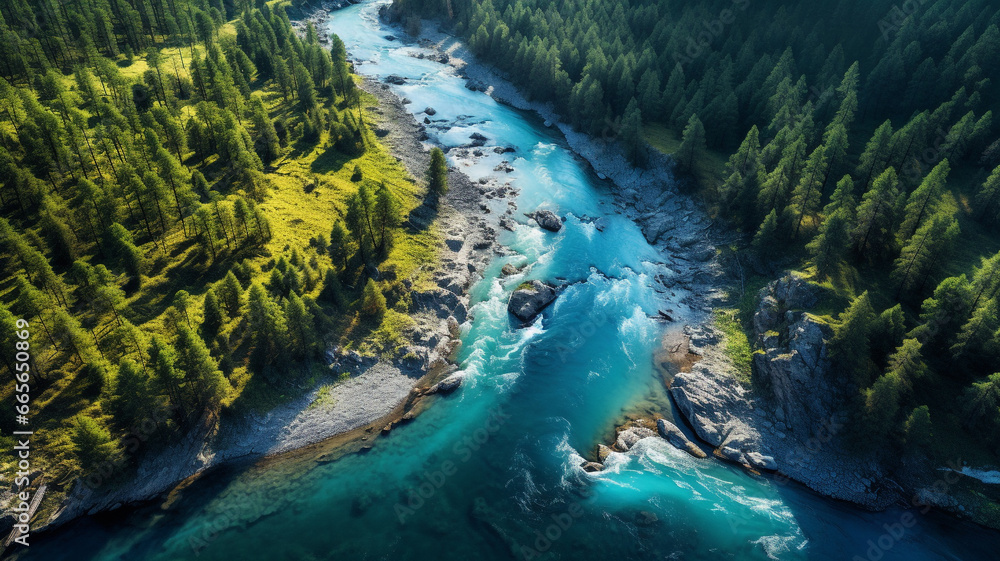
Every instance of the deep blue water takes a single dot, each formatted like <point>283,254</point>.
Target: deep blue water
<point>491,471</point>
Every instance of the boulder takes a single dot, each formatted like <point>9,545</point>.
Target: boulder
<point>761,461</point>
<point>395,80</point>
<point>630,436</point>
<point>449,384</point>
<point>508,270</point>
<point>530,299</point>
<point>591,467</point>
<point>430,111</point>
<point>674,436</point>
<point>547,220</point>
<point>478,139</point>
<point>603,452</point>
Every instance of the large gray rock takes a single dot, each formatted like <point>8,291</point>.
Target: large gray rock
<point>449,384</point>
<point>547,220</point>
<point>793,364</point>
<point>630,436</point>
<point>674,436</point>
<point>530,299</point>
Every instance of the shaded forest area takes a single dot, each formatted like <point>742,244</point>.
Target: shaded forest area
<point>862,149</point>
<point>192,207</point>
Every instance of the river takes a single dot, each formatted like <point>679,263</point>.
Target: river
<point>491,472</point>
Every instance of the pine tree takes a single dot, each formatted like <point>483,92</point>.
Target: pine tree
<point>849,346</point>
<point>386,216</point>
<point>301,330</point>
<point>881,406</point>
<point>924,252</point>
<point>230,292</point>
<point>919,429</point>
<point>767,240</point>
<point>988,198</point>
<point>372,300</point>
<point>981,403</point>
<point>692,145</point>
<point>268,327</point>
<point>923,202</point>
<point>942,313</point>
<point>876,215</point>
<point>807,196</point>
<point>907,363</point>
<point>93,445</point>
<point>875,157</point>
<point>340,245</point>
<point>213,316</point>
<point>976,342</point>
<point>631,134</point>
<point>132,398</point>
<point>830,246</point>
<point>204,383</point>
<point>437,177</point>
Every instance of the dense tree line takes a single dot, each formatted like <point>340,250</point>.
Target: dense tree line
<point>131,131</point>
<point>849,142</point>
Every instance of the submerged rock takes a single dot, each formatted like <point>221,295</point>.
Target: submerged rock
<point>530,299</point>
<point>547,220</point>
<point>395,80</point>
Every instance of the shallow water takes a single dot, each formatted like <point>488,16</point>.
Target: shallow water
<point>491,471</point>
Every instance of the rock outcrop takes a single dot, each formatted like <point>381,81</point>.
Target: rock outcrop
<point>674,436</point>
<point>547,219</point>
<point>789,421</point>
<point>530,299</point>
<point>630,436</point>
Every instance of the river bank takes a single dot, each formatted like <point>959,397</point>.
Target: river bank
<point>344,414</point>
<point>796,436</point>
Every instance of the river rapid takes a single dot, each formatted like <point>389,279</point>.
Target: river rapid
<point>492,471</point>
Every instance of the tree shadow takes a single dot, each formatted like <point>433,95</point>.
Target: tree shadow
<point>330,160</point>
<point>421,217</point>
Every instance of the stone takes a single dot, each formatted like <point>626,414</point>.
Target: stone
<point>530,299</point>
<point>761,461</point>
<point>508,270</point>
<point>547,220</point>
<point>674,436</point>
<point>630,436</point>
<point>603,452</point>
<point>430,111</point>
<point>395,80</point>
<point>449,384</point>
<point>591,467</point>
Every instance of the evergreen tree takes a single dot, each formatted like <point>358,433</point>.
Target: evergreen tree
<point>213,316</point>
<point>830,246</point>
<point>372,300</point>
<point>692,144</point>
<point>924,201</point>
<point>876,215</point>
<point>849,346</point>
<point>631,134</point>
<point>204,383</point>
<point>919,429</point>
<point>132,397</point>
<point>93,445</point>
<point>438,173</point>
<point>924,252</point>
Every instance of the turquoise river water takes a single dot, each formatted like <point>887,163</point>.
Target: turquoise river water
<point>490,472</point>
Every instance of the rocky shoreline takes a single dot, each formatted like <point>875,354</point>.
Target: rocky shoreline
<point>792,431</point>
<point>380,394</point>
